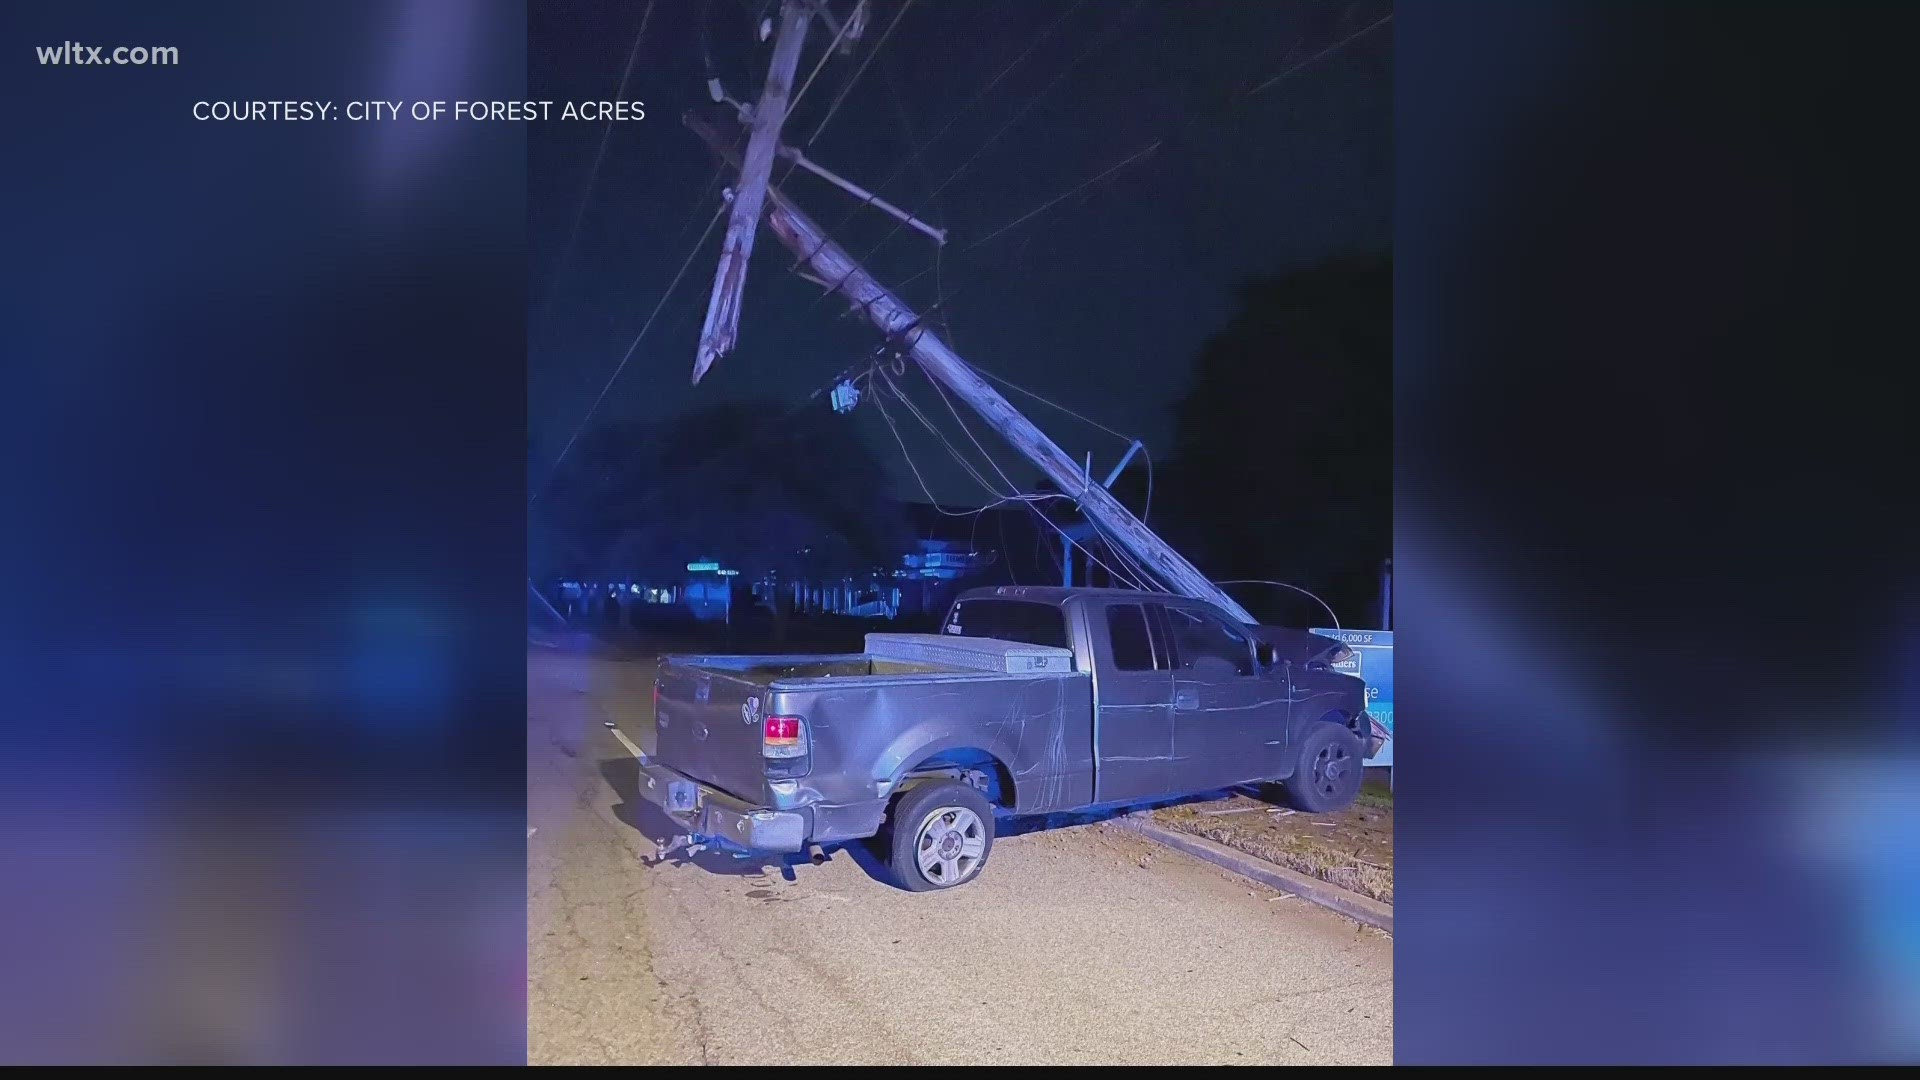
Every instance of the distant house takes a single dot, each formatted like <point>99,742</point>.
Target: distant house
<point>612,597</point>
<point>948,551</point>
<point>933,565</point>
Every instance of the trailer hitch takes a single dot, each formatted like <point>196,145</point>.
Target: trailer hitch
<point>690,843</point>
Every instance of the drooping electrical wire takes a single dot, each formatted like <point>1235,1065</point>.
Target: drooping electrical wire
<point>912,408</point>
<point>1137,155</point>
<point>1139,576</point>
<point>593,174</point>
<point>968,431</point>
<point>965,107</point>
<point>939,250</point>
<point>1095,181</point>
<point>1285,585</point>
<point>1322,54</point>
<point>1028,500</point>
<point>824,57</point>
<point>1144,451</point>
<point>845,90</point>
<point>1099,41</point>
<point>635,344</point>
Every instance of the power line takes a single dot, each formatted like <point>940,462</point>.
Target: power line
<point>1149,149</point>
<point>964,464</point>
<point>622,365</point>
<point>845,88</point>
<point>1284,585</point>
<point>939,250</point>
<point>1099,41</point>
<point>1032,101</point>
<point>968,431</point>
<point>1011,385</point>
<point>965,107</point>
<point>891,426</point>
<point>1140,577</point>
<point>755,435</point>
<point>824,57</point>
<point>1069,193</point>
<point>1152,581</point>
<point>1134,579</point>
<point>1145,451</point>
<point>1027,500</point>
<point>1377,23</point>
<point>943,301</point>
<point>593,174</point>
<point>761,431</point>
<point>842,96</point>
<point>705,192</point>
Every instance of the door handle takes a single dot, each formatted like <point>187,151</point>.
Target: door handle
<point>1186,700</point>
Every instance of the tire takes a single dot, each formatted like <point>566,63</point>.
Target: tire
<point>940,836</point>
<point>1330,769</point>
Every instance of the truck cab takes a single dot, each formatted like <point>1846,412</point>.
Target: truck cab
<point>1185,698</point>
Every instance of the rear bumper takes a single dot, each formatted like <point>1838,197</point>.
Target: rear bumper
<point>714,813</point>
<point>710,812</point>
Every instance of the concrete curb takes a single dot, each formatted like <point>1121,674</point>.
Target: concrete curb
<point>1351,904</point>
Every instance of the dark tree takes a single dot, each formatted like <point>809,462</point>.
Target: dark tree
<point>755,487</point>
<point>1284,442</point>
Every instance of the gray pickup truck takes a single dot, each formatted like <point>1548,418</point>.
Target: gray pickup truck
<point>1031,700</point>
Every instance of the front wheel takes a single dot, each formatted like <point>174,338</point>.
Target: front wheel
<point>941,835</point>
<point>1328,775</point>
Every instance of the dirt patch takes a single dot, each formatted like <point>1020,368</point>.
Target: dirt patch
<point>1352,849</point>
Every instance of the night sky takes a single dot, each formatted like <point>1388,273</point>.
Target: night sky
<point>1100,302</point>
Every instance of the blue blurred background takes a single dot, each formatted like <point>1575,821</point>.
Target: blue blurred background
<point>265,434</point>
<point>1657,603</point>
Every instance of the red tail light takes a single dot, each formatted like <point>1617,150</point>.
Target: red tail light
<point>783,743</point>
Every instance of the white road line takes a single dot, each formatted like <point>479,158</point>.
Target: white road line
<point>628,743</point>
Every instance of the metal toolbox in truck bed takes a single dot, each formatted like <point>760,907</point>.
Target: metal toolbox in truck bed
<point>971,653</point>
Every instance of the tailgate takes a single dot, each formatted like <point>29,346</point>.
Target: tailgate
<point>705,728</point>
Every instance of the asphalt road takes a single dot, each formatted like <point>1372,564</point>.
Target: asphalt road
<point>1083,945</point>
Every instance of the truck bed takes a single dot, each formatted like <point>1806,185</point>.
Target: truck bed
<point>767,670</point>
<point>857,706</point>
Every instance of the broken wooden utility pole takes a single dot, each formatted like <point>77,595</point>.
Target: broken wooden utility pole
<point>722,328</point>
<point>830,262</point>
<point>847,33</point>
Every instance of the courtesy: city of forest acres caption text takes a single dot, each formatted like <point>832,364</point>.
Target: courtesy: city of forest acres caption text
<point>481,111</point>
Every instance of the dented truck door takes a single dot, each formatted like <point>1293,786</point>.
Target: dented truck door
<point>1229,715</point>
<point>1133,704</point>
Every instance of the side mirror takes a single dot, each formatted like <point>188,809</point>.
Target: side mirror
<point>1265,653</point>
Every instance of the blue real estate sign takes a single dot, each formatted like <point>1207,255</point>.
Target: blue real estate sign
<point>1372,662</point>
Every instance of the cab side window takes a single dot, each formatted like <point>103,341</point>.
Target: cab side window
<point>1205,645</point>
<point>1128,638</point>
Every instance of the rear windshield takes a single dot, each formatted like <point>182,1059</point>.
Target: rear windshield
<point>1010,620</point>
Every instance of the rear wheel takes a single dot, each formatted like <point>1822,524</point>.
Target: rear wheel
<point>941,835</point>
<point>1328,775</point>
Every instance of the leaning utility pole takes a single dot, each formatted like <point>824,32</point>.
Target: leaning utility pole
<point>722,327</point>
<point>830,263</point>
